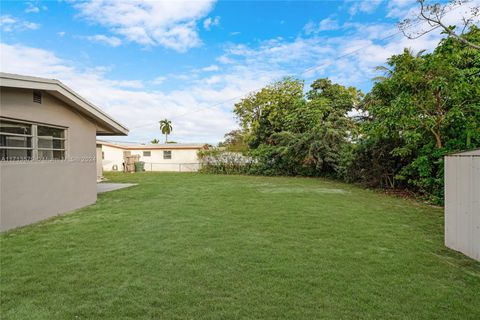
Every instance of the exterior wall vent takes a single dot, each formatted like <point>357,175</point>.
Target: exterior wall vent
<point>37,96</point>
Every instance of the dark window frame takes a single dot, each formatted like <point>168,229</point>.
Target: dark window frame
<point>32,149</point>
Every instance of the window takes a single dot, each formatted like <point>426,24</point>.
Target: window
<point>51,143</point>
<point>28,141</point>
<point>147,153</point>
<point>167,154</point>
<point>15,141</point>
<point>103,155</point>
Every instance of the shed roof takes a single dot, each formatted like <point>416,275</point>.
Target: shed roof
<point>474,152</point>
<point>107,125</point>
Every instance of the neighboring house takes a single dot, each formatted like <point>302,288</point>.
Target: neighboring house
<point>157,157</point>
<point>462,202</point>
<point>47,149</point>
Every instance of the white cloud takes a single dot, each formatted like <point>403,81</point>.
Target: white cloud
<point>131,84</point>
<point>455,14</point>
<point>363,6</point>
<point>32,61</point>
<point>159,80</point>
<point>201,108</point>
<point>400,8</point>
<point>328,24</point>
<point>211,68</point>
<point>209,22</point>
<point>198,111</point>
<point>224,59</point>
<point>371,30</point>
<point>61,33</point>
<point>7,20</point>
<point>349,59</point>
<point>9,23</point>
<point>467,10</point>
<point>324,25</point>
<point>32,8</point>
<point>172,24</point>
<point>111,41</point>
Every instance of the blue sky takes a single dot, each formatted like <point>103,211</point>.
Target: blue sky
<point>143,61</point>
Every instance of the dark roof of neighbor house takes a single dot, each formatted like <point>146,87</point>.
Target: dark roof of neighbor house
<point>140,146</point>
<point>107,125</point>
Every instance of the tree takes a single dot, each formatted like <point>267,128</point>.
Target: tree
<point>318,130</point>
<point>264,112</point>
<point>433,15</point>
<point>234,141</point>
<point>155,141</point>
<point>425,106</point>
<point>166,128</point>
<point>293,133</point>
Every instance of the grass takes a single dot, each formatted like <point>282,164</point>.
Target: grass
<point>192,246</point>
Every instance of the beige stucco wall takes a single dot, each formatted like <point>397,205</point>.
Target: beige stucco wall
<point>182,159</point>
<point>33,191</point>
<point>462,203</point>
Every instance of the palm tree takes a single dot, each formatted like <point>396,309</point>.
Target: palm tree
<point>166,128</point>
<point>155,141</point>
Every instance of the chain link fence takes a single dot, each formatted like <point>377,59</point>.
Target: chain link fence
<point>172,167</point>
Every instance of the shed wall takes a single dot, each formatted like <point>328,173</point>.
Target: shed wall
<point>462,203</point>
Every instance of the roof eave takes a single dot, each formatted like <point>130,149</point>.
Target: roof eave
<point>64,93</point>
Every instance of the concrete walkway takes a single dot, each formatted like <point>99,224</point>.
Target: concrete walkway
<point>106,187</point>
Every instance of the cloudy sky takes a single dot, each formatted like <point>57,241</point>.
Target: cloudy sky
<point>190,61</point>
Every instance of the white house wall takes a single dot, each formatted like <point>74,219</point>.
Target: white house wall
<point>183,160</point>
<point>112,157</point>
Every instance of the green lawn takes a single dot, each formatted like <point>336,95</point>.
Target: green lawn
<point>192,246</point>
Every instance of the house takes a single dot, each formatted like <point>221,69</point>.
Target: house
<point>47,149</point>
<point>462,202</point>
<point>157,157</point>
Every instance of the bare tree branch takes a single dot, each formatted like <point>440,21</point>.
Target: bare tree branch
<point>433,15</point>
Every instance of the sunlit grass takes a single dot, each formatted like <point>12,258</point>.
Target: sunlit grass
<point>191,246</point>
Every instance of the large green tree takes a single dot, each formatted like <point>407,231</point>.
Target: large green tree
<point>294,133</point>
<point>425,106</point>
<point>264,113</point>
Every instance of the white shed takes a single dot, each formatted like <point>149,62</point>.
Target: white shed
<point>462,202</point>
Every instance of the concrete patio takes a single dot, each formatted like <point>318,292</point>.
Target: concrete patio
<point>106,187</point>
